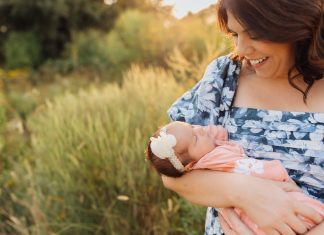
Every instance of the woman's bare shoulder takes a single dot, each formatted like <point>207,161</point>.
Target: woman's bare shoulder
<point>315,99</point>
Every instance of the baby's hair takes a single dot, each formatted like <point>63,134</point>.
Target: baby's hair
<point>163,166</point>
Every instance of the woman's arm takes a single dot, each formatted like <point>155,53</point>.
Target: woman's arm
<point>267,204</point>
<point>203,187</point>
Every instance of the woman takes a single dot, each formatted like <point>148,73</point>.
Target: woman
<point>270,98</point>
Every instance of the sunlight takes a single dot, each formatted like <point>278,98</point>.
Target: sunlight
<point>182,7</point>
<point>110,2</point>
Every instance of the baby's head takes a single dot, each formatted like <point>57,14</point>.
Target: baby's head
<point>175,145</point>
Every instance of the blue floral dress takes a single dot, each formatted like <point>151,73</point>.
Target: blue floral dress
<point>294,138</point>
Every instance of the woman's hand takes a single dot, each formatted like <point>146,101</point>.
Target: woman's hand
<point>265,202</point>
<point>238,226</point>
<point>318,230</point>
<point>288,186</point>
<point>273,210</point>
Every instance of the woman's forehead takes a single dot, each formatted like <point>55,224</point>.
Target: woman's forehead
<point>233,24</point>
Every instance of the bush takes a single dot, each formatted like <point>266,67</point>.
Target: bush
<point>22,49</point>
<point>88,48</point>
<point>137,37</point>
<point>2,126</point>
<point>90,176</point>
<point>22,103</point>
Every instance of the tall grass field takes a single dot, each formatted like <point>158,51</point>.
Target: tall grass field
<point>86,172</point>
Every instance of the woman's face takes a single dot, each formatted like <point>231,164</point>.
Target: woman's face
<point>268,59</point>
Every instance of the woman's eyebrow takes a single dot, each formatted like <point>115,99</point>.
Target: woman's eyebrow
<point>232,31</point>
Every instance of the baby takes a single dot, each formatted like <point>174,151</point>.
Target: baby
<point>179,147</point>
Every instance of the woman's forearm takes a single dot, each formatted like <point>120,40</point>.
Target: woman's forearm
<point>208,188</point>
<point>264,201</point>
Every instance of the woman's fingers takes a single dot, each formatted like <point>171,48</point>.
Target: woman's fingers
<point>225,227</point>
<point>308,212</point>
<point>289,186</point>
<point>285,229</point>
<point>238,226</point>
<point>297,225</point>
<point>272,232</point>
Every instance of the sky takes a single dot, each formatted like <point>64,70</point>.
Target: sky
<point>182,7</point>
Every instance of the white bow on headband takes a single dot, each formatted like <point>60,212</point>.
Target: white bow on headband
<point>162,147</point>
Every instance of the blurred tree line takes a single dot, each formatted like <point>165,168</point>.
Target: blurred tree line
<point>34,31</point>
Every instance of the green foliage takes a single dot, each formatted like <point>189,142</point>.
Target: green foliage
<point>136,37</point>
<point>12,146</point>
<point>85,171</point>
<point>2,127</point>
<point>55,21</point>
<point>90,175</point>
<point>2,118</point>
<point>88,48</point>
<point>192,35</point>
<point>22,49</point>
<point>22,103</point>
<point>197,43</point>
<point>52,67</point>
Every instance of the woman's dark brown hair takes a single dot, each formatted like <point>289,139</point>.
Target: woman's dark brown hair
<point>163,166</point>
<point>299,22</point>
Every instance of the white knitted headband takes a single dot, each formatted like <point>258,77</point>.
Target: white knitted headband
<point>162,147</point>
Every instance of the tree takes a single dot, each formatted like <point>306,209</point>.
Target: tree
<point>54,22</point>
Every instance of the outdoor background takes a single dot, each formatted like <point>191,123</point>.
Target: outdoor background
<point>83,84</point>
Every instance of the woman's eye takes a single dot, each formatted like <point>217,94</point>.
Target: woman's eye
<point>254,38</point>
<point>234,35</point>
<point>252,35</point>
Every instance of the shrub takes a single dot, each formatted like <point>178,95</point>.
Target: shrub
<point>22,103</point>
<point>88,48</point>
<point>22,49</point>
<point>2,126</point>
<point>137,37</point>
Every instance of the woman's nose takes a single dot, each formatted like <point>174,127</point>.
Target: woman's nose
<point>243,46</point>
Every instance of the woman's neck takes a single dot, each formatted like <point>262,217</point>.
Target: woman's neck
<point>277,94</point>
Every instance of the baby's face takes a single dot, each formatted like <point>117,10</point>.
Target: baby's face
<point>193,139</point>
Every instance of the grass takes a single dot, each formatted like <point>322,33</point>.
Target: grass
<point>86,172</point>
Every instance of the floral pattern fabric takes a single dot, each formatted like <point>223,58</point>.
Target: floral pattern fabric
<point>247,166</point>
<point>294,138</point>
